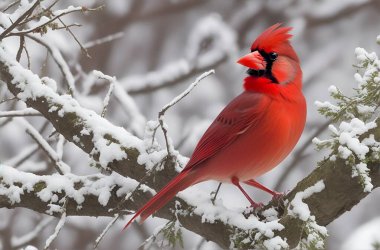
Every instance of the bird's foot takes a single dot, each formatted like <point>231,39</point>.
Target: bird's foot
<point>278,198</point>
<point>279,195</point>
<point>253,209</point>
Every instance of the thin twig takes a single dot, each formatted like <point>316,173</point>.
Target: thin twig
<point>39,27</point>
<point>58,228</point>
<point>17,22</point>
<point>68,26</point>
<point>10,5</point>
<point>84,50</point>
<point>112,81</point>
<point>48,10</point>
<point>216,193</point>
<point>22,156</point>
<point>106,229</point>
<point>8,99</point>
<point>175,101</point>
<point>27,55</point>
<point>20,48</point>
<point>60,166</point>
<point>61,63</point>
<point>17,113</point>
<point>103,40</point>
<point>32,235</point>
<point>186,92</point>
<point>107,98</point>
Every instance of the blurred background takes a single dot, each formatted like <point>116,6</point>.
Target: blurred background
<point>156,49</point>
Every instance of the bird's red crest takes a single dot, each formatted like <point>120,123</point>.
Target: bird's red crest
<point>272,37</point>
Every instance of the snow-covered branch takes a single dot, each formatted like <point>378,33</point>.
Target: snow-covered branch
<point>98,137</point>
<point>91,195</point>
<point>133,164</point>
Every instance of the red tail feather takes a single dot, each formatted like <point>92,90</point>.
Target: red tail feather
<point>180,182</point>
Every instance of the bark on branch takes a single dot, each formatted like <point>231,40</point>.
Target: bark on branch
<point>341,191</point>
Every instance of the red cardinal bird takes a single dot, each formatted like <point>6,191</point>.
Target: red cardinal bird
<point>255,131</point>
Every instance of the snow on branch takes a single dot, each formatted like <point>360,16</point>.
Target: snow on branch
<point>221,226</point>
<point>24,112</point>
<point>275,226</point>
<point>85,128</point>
<point>92,195</point>
<point>356,115</point>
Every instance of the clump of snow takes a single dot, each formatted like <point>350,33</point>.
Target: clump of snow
<point>300,209</point>
<point>332,89</point>
<point>67,10</point>
<point>275,243</point>
<point>152,154</point>
<point>362,171</point>
<point>356,115</point>
<point>328,105</point>
<point>349,135</point>
<point>210,212</point>
<point>30,247</point>
<point>270,214</point>
<point>109,140</point>
<point>15,183</point>
<point>364,109</point>
<point>297,208</point>
<point>7,20</point>
<point>350,145</point>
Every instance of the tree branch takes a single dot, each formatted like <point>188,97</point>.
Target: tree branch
<point>340,194</point>
<point>92,195</point>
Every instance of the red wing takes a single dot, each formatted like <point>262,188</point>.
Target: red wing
<point>236,118</point>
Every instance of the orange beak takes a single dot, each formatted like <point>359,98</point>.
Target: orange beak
<point>253,60</point>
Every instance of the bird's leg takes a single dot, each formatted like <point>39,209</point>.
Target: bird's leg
<point>235,181</point>
<point>255,184</point>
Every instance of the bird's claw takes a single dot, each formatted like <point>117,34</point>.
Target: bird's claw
<point>279,195</point>
<point>278,198</point>
<point>253,209</point>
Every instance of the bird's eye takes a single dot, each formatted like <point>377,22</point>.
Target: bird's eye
<point>273,56</point>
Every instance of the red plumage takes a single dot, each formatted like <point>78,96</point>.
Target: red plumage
<point>256,130</point>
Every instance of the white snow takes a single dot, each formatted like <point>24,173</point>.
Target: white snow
<point>275,243</point>
<point>57,229</point>
<point>362,171</point>
<point>32,88</point>
<point>333,89</point>
<point>211,212</point>
<point>97,184</point>
<point>300,209</point>
<point>67,10</point>
<point>327,104</point>
<point>349,136</point>
<point>24,112</point>
<point>29,247</point>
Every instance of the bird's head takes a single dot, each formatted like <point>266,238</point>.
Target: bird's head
<point>272,59</point>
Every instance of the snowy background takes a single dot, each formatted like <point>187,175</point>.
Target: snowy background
<point>155,50</point>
